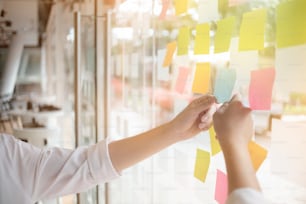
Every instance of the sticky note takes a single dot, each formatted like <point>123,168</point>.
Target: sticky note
<point>183,41</point>
<point>236,2</point>
<point>201,164</point>
<point>201,78</point>
<point>225,28</point>
<point>208,11</point>
<point>221,187</point>
<point>165,6</point>
<point>162,72</point>
<point>224,84</point>
<point>257,153</point>
<point>290,66</point>
<point>171,47</point>
<point>180,6</point>
<point>260,89</point>
<point>202,39</point>
<point>252,30</point>
<point>181,79</point>
<point>291,23</point>
<point>214,143</point>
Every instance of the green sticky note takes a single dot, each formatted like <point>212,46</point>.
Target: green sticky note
<point>202,40</point>
<point>183,41</point>
<point>201,164</point>
<point>252,30</point>
<point>214,143</point>
<point>202,78</point>
<point>181,6</point>
<point>224,34</point>
<point>224,84</point>
<point>291,23</point>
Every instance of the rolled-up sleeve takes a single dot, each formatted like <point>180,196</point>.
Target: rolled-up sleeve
<point>100,164</point>
<point>246,196</point>
<point>61,171</point>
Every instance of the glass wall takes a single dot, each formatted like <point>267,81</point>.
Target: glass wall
<point>126,86</point>
<point>145,94</point>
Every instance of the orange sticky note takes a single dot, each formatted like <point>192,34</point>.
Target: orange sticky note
<point>201,164</point>
<point>180,6</point>
<point>291,23</point>
<point>257,153</point>
<point>252,30</point>
<point>202,39</point>
<point>225,28</point>
<point>169,54</point>
<point>181,79</point>
<point>214,143</point>
<point>221,187</point>
<point>165,4</point>
<point>183,41</point>
<point>202,78</point>
<point>260,89</point>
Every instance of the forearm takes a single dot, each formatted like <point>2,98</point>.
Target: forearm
<point>129,151</point>
<point>241,173</point>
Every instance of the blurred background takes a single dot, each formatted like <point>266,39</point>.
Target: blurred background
<point>73,72</point>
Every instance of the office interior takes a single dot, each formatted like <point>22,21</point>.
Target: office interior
<point>74,72</point>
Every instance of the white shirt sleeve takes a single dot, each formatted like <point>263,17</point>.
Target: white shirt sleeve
<point>246,196</point>
<point>52,172</point>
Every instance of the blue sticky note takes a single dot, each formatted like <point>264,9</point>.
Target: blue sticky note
<point>224,84</point>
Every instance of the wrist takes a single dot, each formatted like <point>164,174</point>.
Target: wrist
<point>173,133</point>
<point>229,147</point>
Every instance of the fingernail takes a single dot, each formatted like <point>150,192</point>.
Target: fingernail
<point>204,118</point>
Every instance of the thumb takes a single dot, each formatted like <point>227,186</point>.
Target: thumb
<point>236,97</point>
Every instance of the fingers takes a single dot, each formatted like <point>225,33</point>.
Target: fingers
<point>208,114</point>
<point>203,103</point>
<point>236,97</point>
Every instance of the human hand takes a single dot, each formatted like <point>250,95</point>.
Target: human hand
<point>233,124</point>
<point>196,117</point>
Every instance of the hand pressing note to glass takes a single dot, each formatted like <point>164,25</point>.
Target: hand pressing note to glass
<point>52,172</point>
<point>234,129</point>
<point>196,117</point>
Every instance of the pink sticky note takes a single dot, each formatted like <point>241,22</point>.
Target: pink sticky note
<point>260,89</point>
<point>164,10</point>
<point>181,79</point>
<point>221,187</point>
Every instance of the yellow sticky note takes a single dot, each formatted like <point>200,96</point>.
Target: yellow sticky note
<point>201,164</point>
<point>257,153</point>
<point>252,30</point>
<point>169,54</point>
<point>202,39</point>
<point>224,34</point>
<point>291,23</point>
<point>201,78</point>
<point>183,41</point>
<point>214,143</point>
<point>180,6</point>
